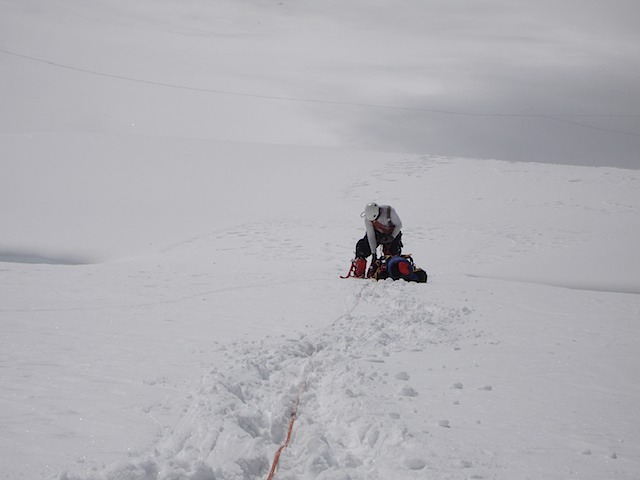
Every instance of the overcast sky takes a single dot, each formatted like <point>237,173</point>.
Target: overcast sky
<point>547,81</point>
<point>555,81</point>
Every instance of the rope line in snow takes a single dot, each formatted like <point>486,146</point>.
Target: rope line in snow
<point>276,459</point>
<point>304,386</point>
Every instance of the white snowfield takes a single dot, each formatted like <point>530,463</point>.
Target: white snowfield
<point>184,359</point>
<point>181,185</point>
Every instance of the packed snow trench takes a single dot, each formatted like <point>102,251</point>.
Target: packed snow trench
<point>351,421</point>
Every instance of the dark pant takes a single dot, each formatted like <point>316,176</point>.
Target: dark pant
<point>363,250</point>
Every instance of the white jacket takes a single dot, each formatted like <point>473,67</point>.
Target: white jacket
<point>387,223</point>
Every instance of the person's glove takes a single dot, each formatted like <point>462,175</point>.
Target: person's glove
<point>373,268</point>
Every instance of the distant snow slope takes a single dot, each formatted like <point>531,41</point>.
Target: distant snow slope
<point>209,301</point>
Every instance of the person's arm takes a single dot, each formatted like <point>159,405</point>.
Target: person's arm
<point>371,236</point>
<point>395,219</point>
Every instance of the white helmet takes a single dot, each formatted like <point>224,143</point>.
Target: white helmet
<point>371,211</point>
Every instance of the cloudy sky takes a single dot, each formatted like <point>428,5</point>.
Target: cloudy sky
<point>549,81</point>
<point>534,81</point>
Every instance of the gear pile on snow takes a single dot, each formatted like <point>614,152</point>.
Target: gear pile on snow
<point>395,267</point>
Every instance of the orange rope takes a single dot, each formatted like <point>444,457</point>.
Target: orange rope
<point>276,459</point>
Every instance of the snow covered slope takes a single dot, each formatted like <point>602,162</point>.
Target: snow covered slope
<point>178,348</point>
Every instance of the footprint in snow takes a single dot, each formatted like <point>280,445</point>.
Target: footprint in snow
<point>402,376</point>
<point>408,391</point>
<point>414,463</point>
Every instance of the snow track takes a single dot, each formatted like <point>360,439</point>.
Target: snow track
<point>239,415</point>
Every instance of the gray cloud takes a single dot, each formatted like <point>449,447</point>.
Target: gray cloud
<point>540,117</point>
<point>510,79</point>
<point>541,81</point>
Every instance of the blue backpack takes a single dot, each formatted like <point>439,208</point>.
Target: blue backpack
<point>400,267</point>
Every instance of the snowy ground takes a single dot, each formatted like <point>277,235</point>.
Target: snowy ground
<point>170,253</point>
<point>185,359</point>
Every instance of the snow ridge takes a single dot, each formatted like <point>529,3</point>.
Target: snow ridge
<point>239,415</point>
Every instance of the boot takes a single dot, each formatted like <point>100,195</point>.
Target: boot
<point>361,266</point>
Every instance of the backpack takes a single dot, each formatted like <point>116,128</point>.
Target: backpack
<point>398,267</point>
